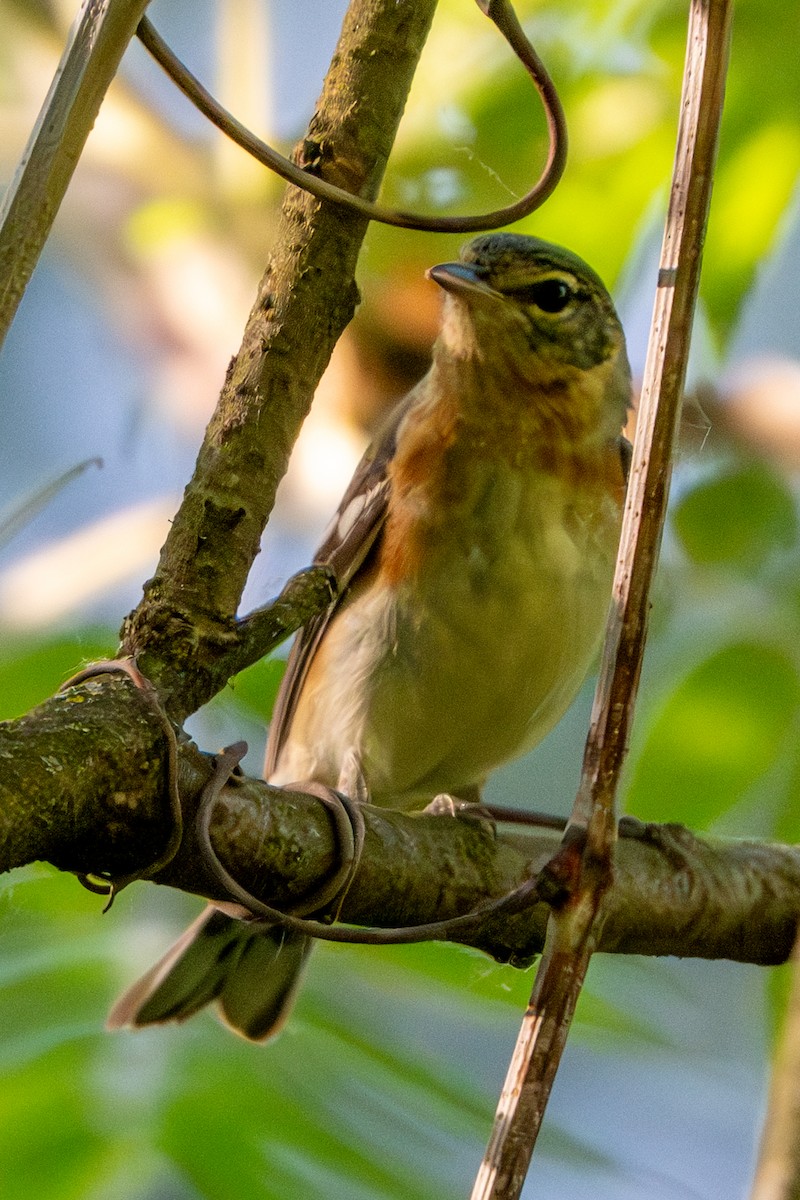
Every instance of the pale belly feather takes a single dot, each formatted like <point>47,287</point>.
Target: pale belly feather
<point>436,688</point>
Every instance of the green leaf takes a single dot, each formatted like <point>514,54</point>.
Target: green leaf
<point>30,671</point>
<point>440,968</point>
<point>41,1109</point>
<point>256,688</point>
<point>720,730</point>
<point>779,985</point>
<point>739,517</point>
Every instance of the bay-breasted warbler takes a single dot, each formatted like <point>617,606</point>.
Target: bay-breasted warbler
<point>475,547</point>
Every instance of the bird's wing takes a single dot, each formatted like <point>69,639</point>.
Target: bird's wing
<point>354,531</point>
<point>625,455</point>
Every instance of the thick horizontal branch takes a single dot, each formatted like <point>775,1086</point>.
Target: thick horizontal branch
<point>84,777</point>
<point>673,894</point>
<point>62,800</point>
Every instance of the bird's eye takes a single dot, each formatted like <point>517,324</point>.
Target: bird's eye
<point>549,295</point>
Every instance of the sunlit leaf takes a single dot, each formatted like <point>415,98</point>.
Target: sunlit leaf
<point>751,195</point>
<point>741,516</point>
<point>48,1108</point>
<point>718,732</point>
<point>779,986</point>
<point>256,688</point>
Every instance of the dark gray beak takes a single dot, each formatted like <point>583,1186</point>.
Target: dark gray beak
<point>461,278</point>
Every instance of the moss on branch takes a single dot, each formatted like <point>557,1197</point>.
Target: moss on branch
<point>84,786</point>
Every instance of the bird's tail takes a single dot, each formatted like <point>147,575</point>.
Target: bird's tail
<point>250,968</point>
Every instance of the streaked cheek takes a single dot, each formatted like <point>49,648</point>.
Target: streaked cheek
<point>583,343</point>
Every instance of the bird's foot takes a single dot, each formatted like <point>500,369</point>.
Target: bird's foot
<point>445,805</point>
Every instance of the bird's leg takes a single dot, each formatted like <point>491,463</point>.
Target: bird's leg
<point>467,807</point>
<point>445,805</point>
<point>471,804</point>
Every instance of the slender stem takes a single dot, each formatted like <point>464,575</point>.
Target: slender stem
<point>593,824</point>
<point>16,518</point>
<point>778,1171</point>
<point>90,60</point>
<point>659,411</point>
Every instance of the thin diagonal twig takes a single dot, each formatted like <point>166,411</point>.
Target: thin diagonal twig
<point>18,515</point>
<point>98,38</point>
<point>589,842</point>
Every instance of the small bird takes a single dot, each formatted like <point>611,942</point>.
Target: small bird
<point>475,549</point>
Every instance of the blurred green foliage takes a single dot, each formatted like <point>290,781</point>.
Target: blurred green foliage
<point>740,516</point>
<point>32,668</point>
<point>384,1085</point>
<point>720,731</point>
<point>618,66</point>
<point>256,688</point>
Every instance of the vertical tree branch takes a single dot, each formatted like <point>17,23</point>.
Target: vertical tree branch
<point>588,848</point>
<point>305,299</point>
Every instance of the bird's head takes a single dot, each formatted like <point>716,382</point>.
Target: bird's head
<point>539,313</point>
